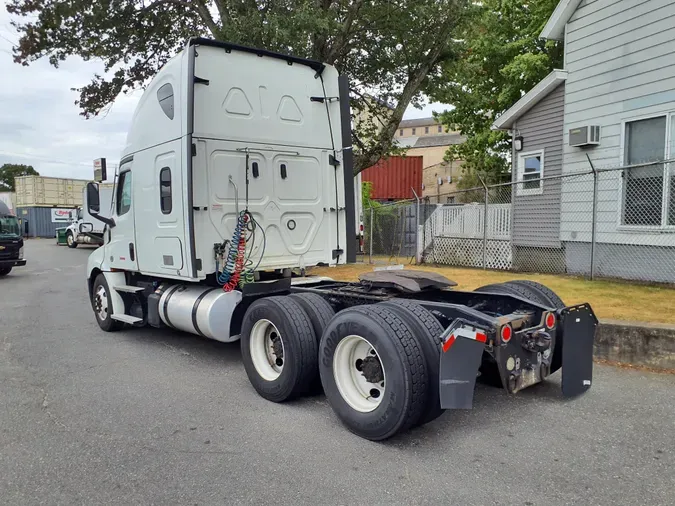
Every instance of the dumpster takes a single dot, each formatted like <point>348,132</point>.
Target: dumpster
<point>61,236</point>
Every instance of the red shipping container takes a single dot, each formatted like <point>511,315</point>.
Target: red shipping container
<point>395,177</point>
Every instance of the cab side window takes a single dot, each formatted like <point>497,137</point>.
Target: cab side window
<point>124,193</point>
<point>165,190</point>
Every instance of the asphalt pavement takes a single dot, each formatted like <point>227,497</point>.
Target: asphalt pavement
<point>147,416</point>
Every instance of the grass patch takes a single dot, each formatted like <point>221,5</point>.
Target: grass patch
<point>610,299</point>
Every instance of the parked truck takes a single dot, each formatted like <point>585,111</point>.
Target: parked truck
<point>84,227</point>
<point>11,242</point>
<point>236,175</point>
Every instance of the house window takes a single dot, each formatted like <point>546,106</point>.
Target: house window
<point>451,200</point>
<point>124,193</point>
<point>647,199</point>
<point>530,172</point>
<point>426,130</point>
<point>413,131</point>
<point>440,129</point>
<point>165,202</point>
<point>400,132</point>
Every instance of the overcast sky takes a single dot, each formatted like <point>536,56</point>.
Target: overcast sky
<point>40,125</point>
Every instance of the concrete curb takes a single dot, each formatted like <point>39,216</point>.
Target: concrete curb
<point>642,344</point>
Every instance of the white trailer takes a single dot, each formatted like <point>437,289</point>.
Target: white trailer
<point>86,228</point>
<point>237,175</point>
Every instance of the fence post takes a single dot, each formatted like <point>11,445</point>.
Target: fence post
<point>485,219</point>
<point>372,230</point>
<point>418,253</point>
<point>593,216</point>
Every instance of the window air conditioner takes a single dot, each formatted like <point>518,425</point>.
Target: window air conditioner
<point>588,135</point>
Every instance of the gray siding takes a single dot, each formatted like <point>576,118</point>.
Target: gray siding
<point>620,58</point>
<point>536,218</point>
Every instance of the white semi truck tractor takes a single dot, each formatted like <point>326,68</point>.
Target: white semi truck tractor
<point>236,176</point>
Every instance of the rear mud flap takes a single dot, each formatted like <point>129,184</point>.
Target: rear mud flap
<point>460,360</point>
<point>578,326</point>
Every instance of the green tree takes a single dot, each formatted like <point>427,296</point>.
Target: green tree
<point>387,48</point>
<point>11,170</point>
<point>501,58</point>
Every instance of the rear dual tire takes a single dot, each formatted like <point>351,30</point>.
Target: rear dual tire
<point>378,364</point>
<point>403,387</point>
<point>279,349</point>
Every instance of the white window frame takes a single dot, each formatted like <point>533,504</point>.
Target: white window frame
<point>520,172</point>
<point>668,168</point>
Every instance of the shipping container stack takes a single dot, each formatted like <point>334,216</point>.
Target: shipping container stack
<point>44,204</point>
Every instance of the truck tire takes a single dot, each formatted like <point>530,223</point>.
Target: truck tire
<point>546,293</point>
<point>320,313</point>
<point>317,308</point>
<point>70,240</point>
<point>373,372</point>
<point>278,348</point>
<point>100,303</point>
<point>428,330</point>
<point>5,270</point>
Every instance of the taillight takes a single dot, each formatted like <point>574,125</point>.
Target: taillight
<point>506,333</point>
<point>549,321</point>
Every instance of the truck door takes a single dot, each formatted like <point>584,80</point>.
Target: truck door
<point>122,245</point>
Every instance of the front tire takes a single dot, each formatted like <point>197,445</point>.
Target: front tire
<point>278,348</point>
<point>102,305</point>
<point>373,372</point>
<point>70,240</point>
<point>5,270</point>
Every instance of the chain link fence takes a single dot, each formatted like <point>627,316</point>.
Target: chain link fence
<point>611,222</point>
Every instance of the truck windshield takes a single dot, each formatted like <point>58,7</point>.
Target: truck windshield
<point>9,226</point>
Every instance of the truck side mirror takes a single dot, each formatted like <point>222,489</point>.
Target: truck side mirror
<point>94,204</point>
<point>86,228</point>
<point>93,198</point>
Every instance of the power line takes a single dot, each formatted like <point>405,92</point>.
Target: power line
<point>10,41</point>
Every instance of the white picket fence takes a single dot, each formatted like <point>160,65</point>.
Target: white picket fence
<point>457,233</point>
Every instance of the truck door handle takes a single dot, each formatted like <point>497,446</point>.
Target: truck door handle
<point>132,254</point>
<point>284,174</point>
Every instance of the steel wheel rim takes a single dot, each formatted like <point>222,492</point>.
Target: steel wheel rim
<point>362,395</point>
<point>101,302</point>
<point>267,350</point>
<point>69,239</point>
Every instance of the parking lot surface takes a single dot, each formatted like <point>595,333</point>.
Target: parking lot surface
<point>148,416</point>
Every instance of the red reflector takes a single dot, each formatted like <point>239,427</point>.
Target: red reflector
<point>448,343</point>
<point>550,321</point>
<point>361,228</point>
<point>481,337</point>
<point>506,333</point>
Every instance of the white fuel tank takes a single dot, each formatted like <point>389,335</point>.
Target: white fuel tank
<point>200,310</point>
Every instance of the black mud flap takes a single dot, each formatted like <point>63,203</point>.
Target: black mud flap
<point>578,326</point>
<point>460,359</point>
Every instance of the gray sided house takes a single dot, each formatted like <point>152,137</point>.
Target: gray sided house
<point>614,102</point>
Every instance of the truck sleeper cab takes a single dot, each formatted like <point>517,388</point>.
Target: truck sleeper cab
<point>11,242</point>
<point>237,176</point>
